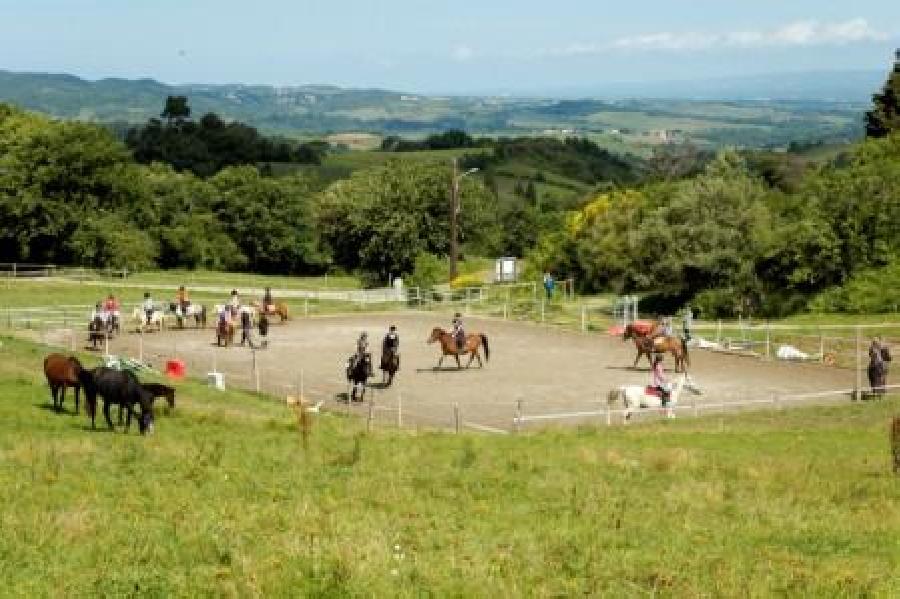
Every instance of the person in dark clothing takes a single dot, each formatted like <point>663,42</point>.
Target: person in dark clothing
<point>263,331</point>
<point>879,356</point>
<point>246,327</point>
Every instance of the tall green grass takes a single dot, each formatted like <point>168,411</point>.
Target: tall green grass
<point>223,500</point>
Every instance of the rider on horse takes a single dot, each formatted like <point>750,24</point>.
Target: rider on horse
<point>660,381</point>
<point>234,303</point>
<point>99,313</point>
<point>459,333</point>
<point>390,346</point>
<point>148,306</point>
<point>268,304</point>
<point>182,300</point>
<point>362,351</point>
<point>111,305</point>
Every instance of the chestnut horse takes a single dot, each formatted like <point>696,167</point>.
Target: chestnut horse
<point>449,347</point>
<point>649,342</point>
<point>61,372</point>
<point>279,309</point>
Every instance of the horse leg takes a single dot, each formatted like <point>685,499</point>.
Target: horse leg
<point>458,364</point>
<point>54,391</point>
<point>120,414</point>
<point>441,361</point>
<point>106,404</point>
<point>77,399</point>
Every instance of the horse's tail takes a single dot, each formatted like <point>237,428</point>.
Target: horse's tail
<point>684,349</point>
<point>484,342</point>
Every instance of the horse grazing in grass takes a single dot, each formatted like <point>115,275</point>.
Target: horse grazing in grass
<point>62,372</point>
<point>359,369</point>
<point>158,390</point>
<point>648,342</point>
<point>279,309</point>
<point>118,387</point>
<point>636,397</point>
<point>450,348</point>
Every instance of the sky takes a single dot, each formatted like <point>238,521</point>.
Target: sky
<point>465,46</point>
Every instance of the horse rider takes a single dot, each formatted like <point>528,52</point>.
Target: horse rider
<point>268,304</point>
<point>459,333</point>
<point>148,307</point>
<point>234,303</point>
<point>390,345</point>
<point>666,326</point>
<point>99,313</point>
<point>111,305</point>
<point>246,326</point>
<point>660,382</point>
<point>182,300</point>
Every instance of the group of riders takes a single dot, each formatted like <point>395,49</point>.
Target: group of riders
<point>390,346</point>
<point>658,379</point>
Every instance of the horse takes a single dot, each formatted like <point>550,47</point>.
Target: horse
<point>647,344</point>
<point>390,365</point>
<point>156,320</point>
<point>279,309</point>
<point>358,373</point>
<point>224,332</point>
<point>158,390</point>
<point>118,387</point>
<point>637,397</point>
<point>98,332</point>
<point>195,311</point>
<point>61,372</point>
<point>471,347</point>
<point>113,323</point>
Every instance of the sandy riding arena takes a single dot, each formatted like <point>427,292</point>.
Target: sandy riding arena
<point>540,370</point>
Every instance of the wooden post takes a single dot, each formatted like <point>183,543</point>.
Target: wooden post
<point>859,384</point>
<point>543,302</point>
<point>456,416</point>
<point>821,346</point>
<point>399,409</point>
<point>583,319</point>
<point>371,415</point>
<point>519,415</point>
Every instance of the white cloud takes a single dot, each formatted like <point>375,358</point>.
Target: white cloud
<point>463,53</point>
<point>800,33</point>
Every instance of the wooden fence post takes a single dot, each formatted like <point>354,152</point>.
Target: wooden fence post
<point>858,394</point>
<point>519,415</point>
<point>456,417</point>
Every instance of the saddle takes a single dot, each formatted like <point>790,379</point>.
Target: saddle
<point>654,391</point>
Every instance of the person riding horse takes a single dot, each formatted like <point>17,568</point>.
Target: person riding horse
<point>660,382</point>
<point>148,307</point>
<point>362,351</point>
<point>113,312</point>
<point>458,332</point>
<point>234,303</point>
<point>268,303</point>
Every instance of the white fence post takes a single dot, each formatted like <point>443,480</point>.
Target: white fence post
<point>456,417</point>
<point>583,319</point>
<point>399,409</point>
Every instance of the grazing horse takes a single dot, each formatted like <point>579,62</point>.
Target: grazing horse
<point>647,343</point>
<point>279,309</point>
<point>158,390</point>
<point>118,387</point>
<point>636,397</point>
<point>61,372</point>
<point>450,348</point>
<point>358,372</point>
<point>390,365</point>
<point>195,311</point>
<point>97,332</point>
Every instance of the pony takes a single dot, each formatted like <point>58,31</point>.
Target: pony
<point>390,365</point>
<point>471,347</point>
<point>358,372</point>
<point>647,344</point>
<point>62,372</point>
<point>224,332</point>
<point>195,311</point>
<point>140,319</point>
<point>636,397</point>
<point>279,309</point>
<point>118,387</point>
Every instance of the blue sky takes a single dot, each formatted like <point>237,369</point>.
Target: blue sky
<point>444,47</point>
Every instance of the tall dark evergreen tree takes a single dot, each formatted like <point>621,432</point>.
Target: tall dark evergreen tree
<point>884,118</point>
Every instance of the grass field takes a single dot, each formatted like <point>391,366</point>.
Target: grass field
<point>224,500</point>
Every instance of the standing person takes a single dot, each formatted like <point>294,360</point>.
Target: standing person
<point>688,322</point>
<point>182,300</point>
<point>659,379</point>
<point>263,330</point>
<point>549,285</point>
<point>246,327</point>
<point>148,306</point>
<point>234,303</point>
<point>879,355</point>
<point>390,346</point>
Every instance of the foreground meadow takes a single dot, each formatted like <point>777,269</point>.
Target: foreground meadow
<point>225,500</point>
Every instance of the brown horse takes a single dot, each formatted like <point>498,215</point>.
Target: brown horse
<point>650,343</point>
<point>449,347</point>
<point>279,309</point>
<point>61,372</point>
<point>224,333</point>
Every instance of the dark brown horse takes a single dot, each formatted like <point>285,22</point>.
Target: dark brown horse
<point>224,333</point>
<point>390,365</point>
<point>471,347</point>
<point>61,372</point>
<point>649,343</point>
<point>157,390</point>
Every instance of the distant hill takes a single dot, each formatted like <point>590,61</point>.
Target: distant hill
<point>620,124</point>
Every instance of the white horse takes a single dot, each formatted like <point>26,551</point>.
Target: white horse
<point>140,319</point>
<point>636,397</point>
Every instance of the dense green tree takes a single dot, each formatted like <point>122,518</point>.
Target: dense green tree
<point>884,117</point>
<point>176,109</point>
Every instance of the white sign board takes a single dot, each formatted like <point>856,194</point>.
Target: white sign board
<point>505,270</point>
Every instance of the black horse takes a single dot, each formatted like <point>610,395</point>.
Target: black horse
<point>390,364</point>
<point>117,387</point>
<point>359,369</point>
<point>158,390</point>
<point>97,332</point>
